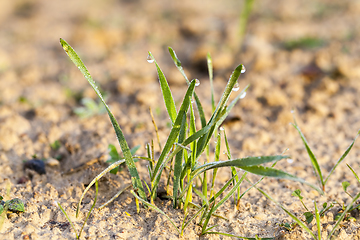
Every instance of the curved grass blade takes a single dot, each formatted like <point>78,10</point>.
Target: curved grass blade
<point>313,159</point>
<point>276,173</point>
<point>343,215</point>
<point>241,162</point>
<point>231,105</point>
<point>92,207</point>
<point>108,169</point>
<point>115,196</point>
<point>135,179</point>
<point>342,158</point>
<point>298,221</point>
<point>197,100</point>
<point>67,217</point>
<point>171,139</point>
<point>155,208</point>
<point>166,92</point>
<point>220,109</point>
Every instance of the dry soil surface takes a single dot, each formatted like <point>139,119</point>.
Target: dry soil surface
<point>299,55</point>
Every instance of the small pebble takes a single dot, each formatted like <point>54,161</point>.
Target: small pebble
<point>52,162</point>
<point>36,165</point>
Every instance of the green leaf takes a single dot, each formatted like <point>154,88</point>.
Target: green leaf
<point>166,92</point>
<point>345,185</point>
<point>342,158</point>
<point>160,164</point>
<point>313,160</point>
<point>297,193</point>
<point>135,179</point>
<point>309,217</point>
<point>317,216</point>
<point>15,205</point>
<point>271,172</point>
<point>197,100</point>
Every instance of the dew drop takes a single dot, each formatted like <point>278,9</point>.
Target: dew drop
<point>290,160</point>
<point>292,111</point>
<point>197,82</point>
<point>224,152</point>
<point>221,128</point>
<point>150,59</point>
<point>243,95</point>
<point>243,69</point>
<point>236,87</point>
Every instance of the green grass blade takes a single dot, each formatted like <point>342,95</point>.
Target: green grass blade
<point>92,207</point>
<point>160,164</point>
<point>192,218</point>
<point>156,209</point>
<point>352,170</point>
<point>202,196</point>
<point>197,100</point>
<point>343,215</point>
<point>231,105</point>
<point>220,109</point>
<point>317,217</point>
<point>166,92</point>
<point>178,162</point>
<point>276,173</point>
<point>67,217</point>
<point>108,169</point>
<point>211,79</point>
<point>313,160</point>
<point>298,221</point>
<point>342,157</point>
<point>135,179</point>
<point>221,202</point>
<point>240,162</point>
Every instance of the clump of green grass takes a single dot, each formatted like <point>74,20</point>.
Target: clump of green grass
<point>183,150</point>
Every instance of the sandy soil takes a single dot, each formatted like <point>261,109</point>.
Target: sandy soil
<point>40,88</point>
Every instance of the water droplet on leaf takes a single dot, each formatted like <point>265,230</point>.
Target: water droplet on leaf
<point>221,128</point>
<point>236,87</point>
<point>197,82</point>
<point>150,59</point>
<point>243,95</point>
<point>243,69</point>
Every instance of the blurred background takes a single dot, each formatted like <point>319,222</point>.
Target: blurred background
<point>301,55</point>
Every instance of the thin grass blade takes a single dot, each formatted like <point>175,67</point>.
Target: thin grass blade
<point>108,169</point>
<point>197,100</point>
<point>155,208</point>
<point>160,164</point>
<point>317,217</point>
<point>352,170</point>
<point>92,207</point>
<point>135,179</point>
<point>342,158</point>
<point>276,173</point>
<point>166,92</point>
<point>343,215</point>
<point>178,163</point>
<point>313,159</point>
<point>298,221</point>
